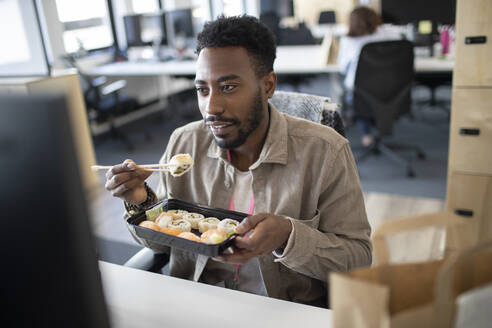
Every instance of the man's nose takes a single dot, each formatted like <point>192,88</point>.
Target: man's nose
<point>214,104</point>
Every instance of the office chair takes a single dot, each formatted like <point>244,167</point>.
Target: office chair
<point>272,21</point>
<point>104,101</point>
<point>383,81</point>
<point>327,17</point>
<point>296,36</point>
<point>310,107</point>
<point>432,81</point>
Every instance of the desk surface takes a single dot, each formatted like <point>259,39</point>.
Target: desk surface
<point>290,60</point>
<point>138,298</point>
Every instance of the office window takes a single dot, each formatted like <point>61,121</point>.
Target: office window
<point>22,51</point>
<point>233,7</point>
<point>86,24</point>
<point>145,6</point>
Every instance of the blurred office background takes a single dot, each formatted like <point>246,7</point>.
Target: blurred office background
<point>130,114</point>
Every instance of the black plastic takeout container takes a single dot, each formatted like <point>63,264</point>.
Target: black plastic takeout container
<point>151,237</point>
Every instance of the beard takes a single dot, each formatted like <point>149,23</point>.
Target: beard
<point>253,120</point>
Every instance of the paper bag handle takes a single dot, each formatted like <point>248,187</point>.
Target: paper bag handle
<point>444,307</point>
<point>380,246</point>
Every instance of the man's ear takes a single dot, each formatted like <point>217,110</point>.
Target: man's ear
<point>269,84</point>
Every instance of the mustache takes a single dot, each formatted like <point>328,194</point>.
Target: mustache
<point>219,118</point>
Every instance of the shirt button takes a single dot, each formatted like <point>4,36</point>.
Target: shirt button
<point>227,184</point>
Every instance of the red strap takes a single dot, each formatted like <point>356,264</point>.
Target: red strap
<point>231,208</point>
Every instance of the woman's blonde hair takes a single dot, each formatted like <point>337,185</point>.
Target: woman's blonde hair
<point>363,21</point>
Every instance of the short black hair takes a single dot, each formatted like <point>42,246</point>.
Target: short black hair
<point>243,31</point>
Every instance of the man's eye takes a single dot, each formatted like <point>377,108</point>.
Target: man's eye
<point>201,90</point>
<point>228,87</point>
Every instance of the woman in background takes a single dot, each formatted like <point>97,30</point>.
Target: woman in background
<point>364,27</point>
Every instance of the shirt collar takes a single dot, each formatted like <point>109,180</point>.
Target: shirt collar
<point>275,148</point>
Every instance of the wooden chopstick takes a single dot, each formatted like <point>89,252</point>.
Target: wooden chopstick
<point>148,167</point>
<point>157,165</point>
<point>158,170</point>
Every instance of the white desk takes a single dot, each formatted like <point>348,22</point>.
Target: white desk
<point>433,65</point>
<point>290,60</point>
<point>138,298</point>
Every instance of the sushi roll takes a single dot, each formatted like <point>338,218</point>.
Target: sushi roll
<point>150,225</point>
<point>171,231</point>
<point>163,220</point>
<point>177,214</point>
<point>207,224</point>
<point>228,225</point>
<point>180,164</point>
<point>180,224</point>
<point>194,218</point>
<point>190,236</point>
<point>213,236</point>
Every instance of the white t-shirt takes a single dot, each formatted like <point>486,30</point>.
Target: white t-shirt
<point>220,274</point>
<point>350,47</point>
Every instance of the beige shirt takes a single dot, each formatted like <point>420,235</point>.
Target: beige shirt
<point>306,173</point>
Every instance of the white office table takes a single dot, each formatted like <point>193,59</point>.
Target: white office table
<point>138,298</point>
<point>290,60</point>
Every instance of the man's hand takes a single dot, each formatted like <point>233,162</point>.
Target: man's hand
<point>126,181</point>
<point>269,232</point>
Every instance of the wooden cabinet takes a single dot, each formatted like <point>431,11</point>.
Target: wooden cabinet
<point>473,43</point>
<point>469,189</point>
<point>469,196</point>
<point>470,149</point>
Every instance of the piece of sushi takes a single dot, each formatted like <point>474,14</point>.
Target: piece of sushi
<point>194,218</point>
<point>171,231</point>
<point>213,236</point>
<point>207,224</point>
<point>163,220</point>
<point>177,214</point>
<point>180,164</point>
<point>228,225</point>
<point>150,225</point>
<point>180,224</point>
<point>190,236</point>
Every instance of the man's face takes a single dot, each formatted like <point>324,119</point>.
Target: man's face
<point>229,95</point>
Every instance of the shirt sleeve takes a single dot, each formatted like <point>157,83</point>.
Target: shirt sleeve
<point>337,238</point>
<point>160,193</point>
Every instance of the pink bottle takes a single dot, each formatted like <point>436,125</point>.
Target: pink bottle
<point>445,40</point>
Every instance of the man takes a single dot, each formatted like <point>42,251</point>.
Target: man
<point>297,177</point>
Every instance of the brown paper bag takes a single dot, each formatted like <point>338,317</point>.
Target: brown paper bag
<point>415,248</point>
<point>408,295</point>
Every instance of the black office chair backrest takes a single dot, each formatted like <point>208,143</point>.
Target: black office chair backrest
<point>296,36</point>
<point>327,17</point>
<point>383,81</point>
<point>272,21</point>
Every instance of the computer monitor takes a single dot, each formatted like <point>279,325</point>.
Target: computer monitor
<point>153,27</point>
<point>182,22</point>
<point>401,12</point>
<point>49,273</point>
<point>133,30</point>
<point>283,8</point>
<point>145,29</point>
